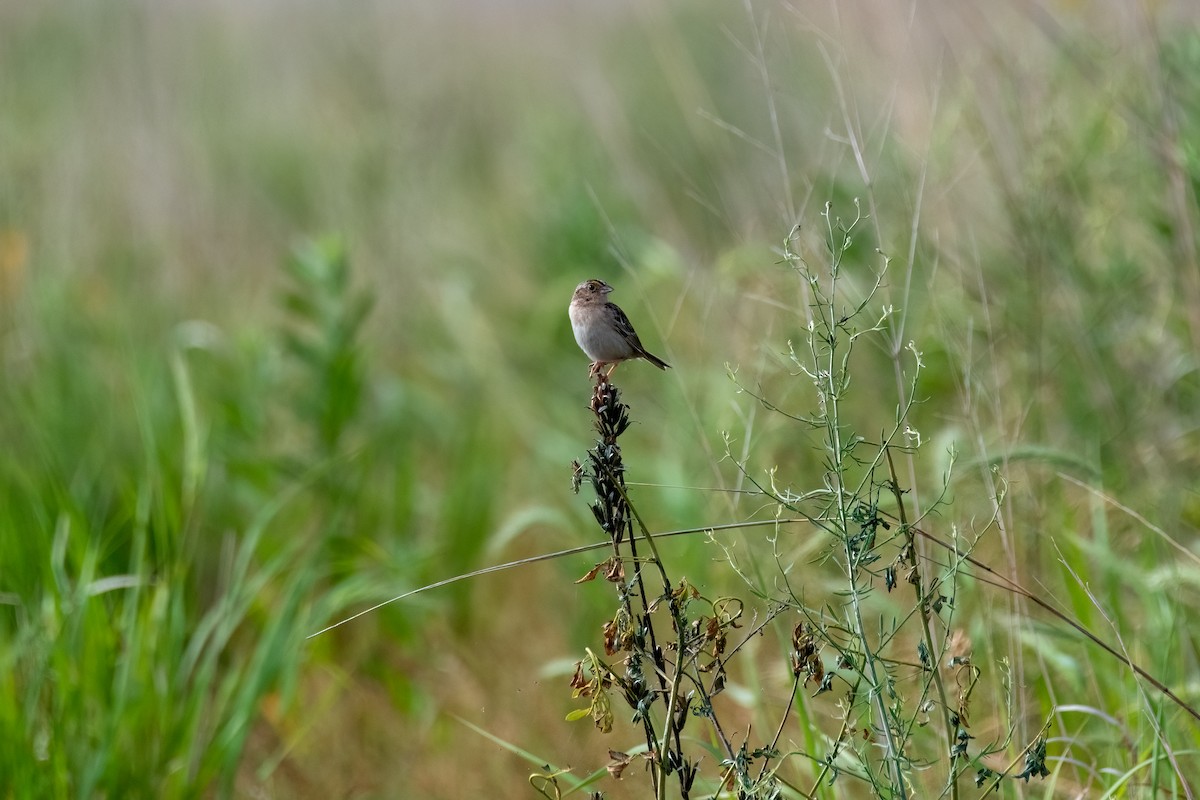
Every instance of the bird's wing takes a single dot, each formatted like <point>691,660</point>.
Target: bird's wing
<point>625,327</point>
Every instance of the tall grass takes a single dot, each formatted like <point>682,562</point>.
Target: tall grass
<point>204,458</point>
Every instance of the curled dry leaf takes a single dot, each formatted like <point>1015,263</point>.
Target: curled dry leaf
<point>615,572</point>
<point>618,764</point>
<point>592,573</point>
<point>581,685</point>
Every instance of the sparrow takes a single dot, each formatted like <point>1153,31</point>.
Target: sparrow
<point>603,331</point>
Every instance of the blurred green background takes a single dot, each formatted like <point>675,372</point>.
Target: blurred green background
<point>283,334</point>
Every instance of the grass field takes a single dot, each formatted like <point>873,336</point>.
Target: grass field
<point>283,336</point>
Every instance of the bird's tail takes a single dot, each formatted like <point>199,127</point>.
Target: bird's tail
<point>655,360</point>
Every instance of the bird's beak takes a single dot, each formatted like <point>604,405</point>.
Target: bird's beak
<point>606,288</point>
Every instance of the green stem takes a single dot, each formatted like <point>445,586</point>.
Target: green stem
<point>833,428</point>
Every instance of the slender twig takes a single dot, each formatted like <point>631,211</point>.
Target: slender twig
<point>923,615</point>
<point>557,554</point>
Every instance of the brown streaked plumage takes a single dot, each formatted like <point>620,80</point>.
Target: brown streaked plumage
<point>603,331</point>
